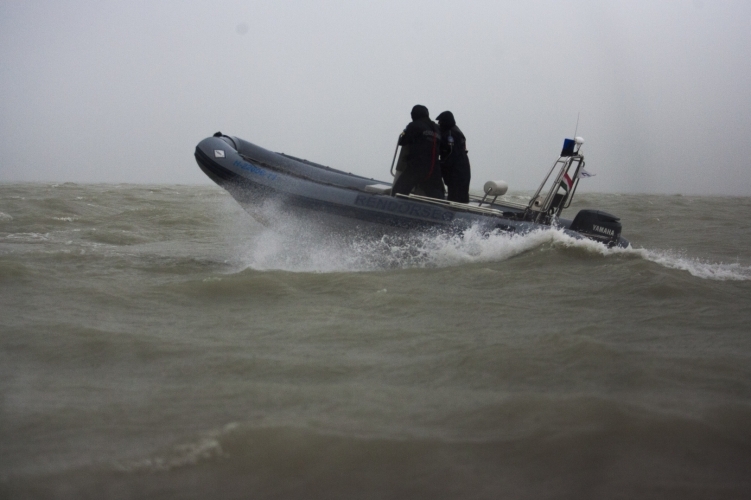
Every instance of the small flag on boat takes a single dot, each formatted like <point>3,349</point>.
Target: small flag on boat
<point>584,173</point>
<point>567,183</point>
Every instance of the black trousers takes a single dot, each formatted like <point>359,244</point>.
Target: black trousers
<point>457,177</point>
<point>410,179</point>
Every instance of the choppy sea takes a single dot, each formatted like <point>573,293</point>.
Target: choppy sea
<point>157,342</point>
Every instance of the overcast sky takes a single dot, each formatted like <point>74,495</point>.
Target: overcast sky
<point>100,91</point>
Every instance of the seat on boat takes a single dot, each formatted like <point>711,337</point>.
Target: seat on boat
<point>378,189</point>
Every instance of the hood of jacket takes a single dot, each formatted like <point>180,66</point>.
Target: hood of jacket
<point>420,111</point>
<point>446,120</point>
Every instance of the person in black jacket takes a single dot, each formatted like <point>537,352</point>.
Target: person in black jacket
<point>422,171</point>
<point>454,159</point>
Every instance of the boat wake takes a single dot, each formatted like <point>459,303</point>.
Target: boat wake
<point>294,248</point>
<point>666,258</point>
<point>696,267</point>
<point>275,251</point>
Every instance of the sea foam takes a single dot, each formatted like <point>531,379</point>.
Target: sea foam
<point>309,249</point>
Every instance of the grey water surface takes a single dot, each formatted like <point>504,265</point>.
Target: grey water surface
<point>157,342</point>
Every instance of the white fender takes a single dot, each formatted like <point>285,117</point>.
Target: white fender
<point>495,188</point>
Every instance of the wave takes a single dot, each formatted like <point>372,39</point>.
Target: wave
<point>308,250</point>
<point>697,267</point>
<point>670,259</point>
<point>581,439</point>
<point>205,447</point>
<point>274,250</point>
<point>623,452</point>
<point>153,219</point>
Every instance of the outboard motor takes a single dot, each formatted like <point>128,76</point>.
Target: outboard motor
<point>599,225</point>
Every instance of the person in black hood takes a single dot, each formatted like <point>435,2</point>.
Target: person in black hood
<point>454,159</point>
<point>422,171</point>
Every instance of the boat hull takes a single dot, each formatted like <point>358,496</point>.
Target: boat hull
<point>273,186</point>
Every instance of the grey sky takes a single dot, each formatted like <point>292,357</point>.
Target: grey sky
<point>123,91</point>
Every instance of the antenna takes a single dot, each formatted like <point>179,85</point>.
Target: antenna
<point>577,124</point>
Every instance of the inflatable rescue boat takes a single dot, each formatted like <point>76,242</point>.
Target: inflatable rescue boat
<point>259,179</point>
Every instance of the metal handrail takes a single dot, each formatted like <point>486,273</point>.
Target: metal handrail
<point>509,204</point>
<point>453,204</point>
<point>546,204</point>
<point>579,167</point>
<point>393,160</point>
<point>542,185</point>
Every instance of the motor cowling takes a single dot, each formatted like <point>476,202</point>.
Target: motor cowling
<point>600,225</point>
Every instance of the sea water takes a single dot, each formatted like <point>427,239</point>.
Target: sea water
<point>158,342</point>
